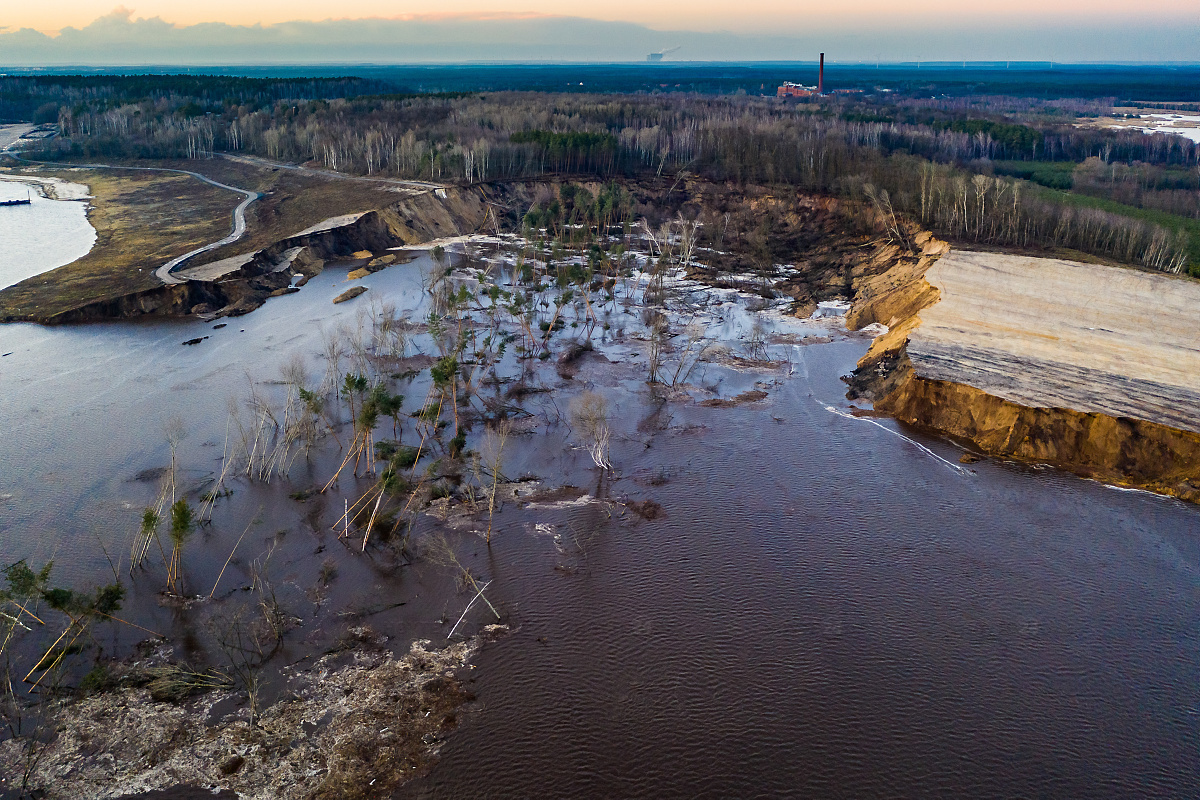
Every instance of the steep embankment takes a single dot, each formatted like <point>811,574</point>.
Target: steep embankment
<point>1089,368</point>
<point>415,218</point>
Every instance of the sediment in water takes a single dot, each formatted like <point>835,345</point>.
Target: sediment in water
<point>357,723</point>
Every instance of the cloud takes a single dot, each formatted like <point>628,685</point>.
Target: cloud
<point>120,39</point>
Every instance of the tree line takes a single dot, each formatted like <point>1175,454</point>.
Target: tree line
<point>834,146</point>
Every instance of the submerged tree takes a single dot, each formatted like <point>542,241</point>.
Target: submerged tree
<point>182,524</point>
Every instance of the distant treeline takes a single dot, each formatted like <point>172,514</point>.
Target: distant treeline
<point>836,145</point>
<point>41,97</point>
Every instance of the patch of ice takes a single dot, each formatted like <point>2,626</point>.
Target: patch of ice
<point>874,330</point>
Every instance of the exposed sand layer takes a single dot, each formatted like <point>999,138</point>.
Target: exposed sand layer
<point>1056,334</point>
<point>1089,368</point>
<point>216,269</point>
<point>331,223</point>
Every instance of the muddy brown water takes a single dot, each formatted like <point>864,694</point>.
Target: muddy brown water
<point>824,607</point>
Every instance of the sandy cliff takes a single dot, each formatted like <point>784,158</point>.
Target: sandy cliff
<point>1090,368</point>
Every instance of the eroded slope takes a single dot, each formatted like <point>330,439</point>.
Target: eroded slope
<point>1050,333</point>
<point>1091,368</point>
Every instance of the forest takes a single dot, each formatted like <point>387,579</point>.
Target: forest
<point>1003,171</point>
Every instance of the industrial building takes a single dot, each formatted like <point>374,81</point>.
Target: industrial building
<point>789,89</point>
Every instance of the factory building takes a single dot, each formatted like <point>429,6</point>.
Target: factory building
<point>789,89</point>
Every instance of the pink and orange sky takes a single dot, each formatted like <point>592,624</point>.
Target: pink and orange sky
<point>744,16</point>
<point>92,32</point>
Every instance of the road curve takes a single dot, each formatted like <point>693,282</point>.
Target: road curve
<point>239,230</point>
<point>163,273</point>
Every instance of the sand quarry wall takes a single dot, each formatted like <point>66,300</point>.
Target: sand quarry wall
<point>1092,368</point>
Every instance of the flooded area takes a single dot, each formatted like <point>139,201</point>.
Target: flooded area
<point>727,583</point>
<point>1186,125</point>
<point>43,235</point>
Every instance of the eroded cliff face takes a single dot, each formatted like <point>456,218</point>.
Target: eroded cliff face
<point>1118,450</point>
<point>1115,449</point>
<point>411,220</point>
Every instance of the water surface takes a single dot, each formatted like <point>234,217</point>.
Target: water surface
<point>41,236</point>
<point>829,605</point>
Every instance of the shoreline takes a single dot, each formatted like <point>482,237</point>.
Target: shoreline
<point>52,188</point>
<point>356,722</point>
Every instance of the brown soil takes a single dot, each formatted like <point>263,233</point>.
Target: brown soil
<point>752,396</point>
<point>356,730</point>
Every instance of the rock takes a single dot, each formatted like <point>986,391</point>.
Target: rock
<point>362,254</point>
<point>196,341</point>
<point>285,290</point>
<point>232,764</point>
<point>358,273</point>
<point>218,327</point>
<point>382,261</point>
<point>202,308</point>
<point>349,294</point>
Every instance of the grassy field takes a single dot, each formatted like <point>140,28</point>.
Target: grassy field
<point>144,219</point>
<point>1171,222</point>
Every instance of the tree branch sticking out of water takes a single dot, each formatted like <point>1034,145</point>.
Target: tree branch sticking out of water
<point>589,413</point>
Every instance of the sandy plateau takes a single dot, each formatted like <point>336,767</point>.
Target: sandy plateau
<point>1090,368</point>
<point>1049,333</point>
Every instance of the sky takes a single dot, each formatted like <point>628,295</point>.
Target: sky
<point>744,16</point>
<point>47,32</point>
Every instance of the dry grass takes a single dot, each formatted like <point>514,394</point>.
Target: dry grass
<point>144,219</point>
<point>290,203</point>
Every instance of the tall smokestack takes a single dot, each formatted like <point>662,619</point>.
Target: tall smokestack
<point>821,76</point>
